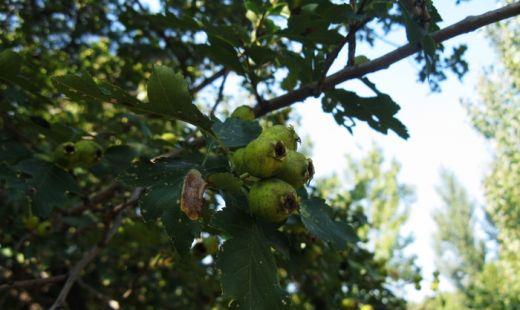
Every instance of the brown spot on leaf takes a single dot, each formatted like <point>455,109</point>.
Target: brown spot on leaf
<point>192,198</point>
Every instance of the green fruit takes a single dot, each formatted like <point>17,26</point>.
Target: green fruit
<point>237,161</point>
<point>89,152</point>
<point>66,155</point>
<point>244,113</point>
<point>272,200</point>
<point>43,228</point>
<point>348,304</point>
<point>286,134</point>
<point>31,222</point>
<point>211,245</point>
<point>264,157</point>
<point>296,169</point>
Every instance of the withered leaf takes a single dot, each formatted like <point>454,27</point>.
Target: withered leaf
<point>192,194</point>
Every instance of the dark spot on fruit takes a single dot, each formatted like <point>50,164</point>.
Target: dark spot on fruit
<point>69,149</point>
<point>279,149</point>
<point>290,203</point>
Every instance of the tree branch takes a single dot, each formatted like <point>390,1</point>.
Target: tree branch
<point>350,38</point>
<point>33,282</point>
<point>468,24</point>
<point>116,216</point>
<point>97,198</point>
<point>220,96</point>
<point>208,81</point>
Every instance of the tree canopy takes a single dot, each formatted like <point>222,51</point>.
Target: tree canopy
<point>119,184</point>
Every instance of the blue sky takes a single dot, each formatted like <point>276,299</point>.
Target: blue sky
<point>441,134</point>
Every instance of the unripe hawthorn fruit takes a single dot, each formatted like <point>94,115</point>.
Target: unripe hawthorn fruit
<point>283,133</point>
<point>31,222</point>
<point>348,304</point>
<point>272,200</point>
<point>264,156</point>
<point>89,152</point>
<point>296,169</point>
<point>211,245</point>
<point>43,228</point>
<point>237,161</point>
<point>66,155</point>
<point>244,113</point>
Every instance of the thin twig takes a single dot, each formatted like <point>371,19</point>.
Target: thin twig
<point>351,49</point>
<point>349,38</point>
<point>208,81</point>
<point>95,292</point>
<point>95,199</point>
<point>468,24</point>
<point>33,282</point>
<point>220,95</point>
<point>116,216</point>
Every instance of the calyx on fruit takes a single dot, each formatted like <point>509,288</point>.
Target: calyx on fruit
<point>264,156</point>
<point>273,200</point>
<point>89,152</point>
<point>296,169</point>
<point>66,155</point>
<point>244,113</point>
<point>283,133</point>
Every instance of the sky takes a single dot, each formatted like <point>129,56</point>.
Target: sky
<point>441,135</point>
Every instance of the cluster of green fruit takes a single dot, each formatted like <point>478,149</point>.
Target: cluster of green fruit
<point>84,153</point>
<point>40,228</point>
<point>278,170</point>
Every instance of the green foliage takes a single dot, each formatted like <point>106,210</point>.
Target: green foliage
<point>169,96</point>
<point>321,225</point>
<point>490,282</point>
<point>249,271</point>
<point>139,83</point>
<point>46,184</point>
<point>236,133</point>
<point>461,254</point>
<point>379,112</point>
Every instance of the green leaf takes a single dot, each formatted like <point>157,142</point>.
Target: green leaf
<point>379,111</point>
<point>234,218</point>
<point>48,184</point>
<point>169,96</point>
<point>118,158</point>
<point>249,273</point>
<point>164,180</point>
<point>159,199</point>
<point>236,133</point>
<point>316,218</point>
<point>226,181</point>
<point>163,201</point>
<point>80,87</point>
<point>10,63</point>
<point>12,185</point>
<point>162,172</point>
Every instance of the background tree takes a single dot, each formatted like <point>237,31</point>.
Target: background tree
<point>132,91</point>
<point>461,253</point>
<point>489,281</point>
